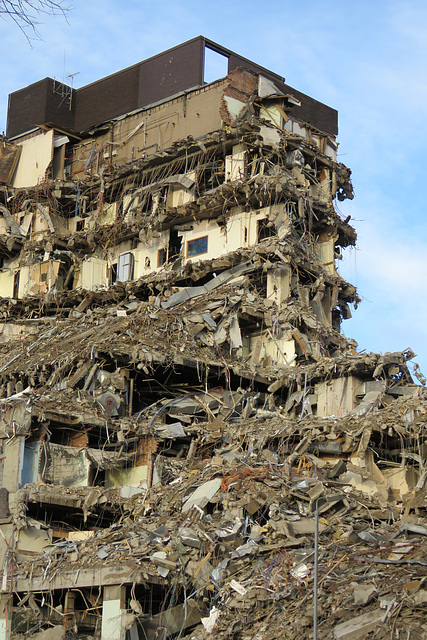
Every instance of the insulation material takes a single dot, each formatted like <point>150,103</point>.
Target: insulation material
<point>106,216</point>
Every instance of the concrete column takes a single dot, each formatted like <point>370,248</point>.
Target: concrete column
<point>5,615</point>
<point>69,617</point>
<point>113,607</point>
<point>13,463</point>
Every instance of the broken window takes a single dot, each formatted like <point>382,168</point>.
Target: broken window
<point>265,229</point>
<point>59,152</point>
<point>197,246</point>
<point>210,176</point>
<point>161,257</point>
<point>112,275</point>
<point>125,265</point>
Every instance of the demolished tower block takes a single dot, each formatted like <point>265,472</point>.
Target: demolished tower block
<point>175,392</point>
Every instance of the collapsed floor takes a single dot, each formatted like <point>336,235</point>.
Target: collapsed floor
<point>186,476</point>
<point>229,529</point>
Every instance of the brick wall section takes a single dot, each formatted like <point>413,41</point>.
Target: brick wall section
<point>313,112</point>
<point>107,99</point>
<point>241,85</point>
<point>37,104</point>
<point>145,83</point>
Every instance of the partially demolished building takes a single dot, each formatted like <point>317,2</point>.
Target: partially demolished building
<point>177,400</point>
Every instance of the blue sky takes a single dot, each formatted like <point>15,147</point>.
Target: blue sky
<point>366,59</point>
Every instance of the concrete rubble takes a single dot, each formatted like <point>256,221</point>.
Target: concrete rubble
<point>190,446</point>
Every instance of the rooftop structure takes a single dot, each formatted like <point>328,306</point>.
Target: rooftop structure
<point>177,396</point>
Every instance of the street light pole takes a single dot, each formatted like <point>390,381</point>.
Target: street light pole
<point>316,567</point>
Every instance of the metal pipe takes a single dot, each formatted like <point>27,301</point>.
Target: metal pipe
<point>316,567</point>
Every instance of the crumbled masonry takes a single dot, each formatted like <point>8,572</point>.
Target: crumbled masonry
<point>178,404</point>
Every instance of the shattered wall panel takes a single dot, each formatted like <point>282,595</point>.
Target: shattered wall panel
<point>35,158</point>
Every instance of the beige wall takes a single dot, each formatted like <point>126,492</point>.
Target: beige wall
<point>241,230</point>
<point>36,155</point>
<point>337,397</point>
<point>195,114</point>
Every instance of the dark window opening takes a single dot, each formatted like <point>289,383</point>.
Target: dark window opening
<point>96,477</point>
<point>155,598</point>
<point>16,284</point>
<point>197,246</point>
<point>70,517</point>
<point>175,243</point>
<point>66,276</point>
<point>80,225</point>
<point>145,203</point>
<point>161,257</point>
<point>113,273</point>
<point>209,176</point>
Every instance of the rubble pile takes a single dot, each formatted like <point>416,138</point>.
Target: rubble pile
<point>230,532</point>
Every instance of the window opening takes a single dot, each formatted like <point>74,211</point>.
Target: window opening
<point>16,284</point>
<point>161,257</point>
<point>113,273</point>
<point>125,266</point>
<point>175,242</point>
<point>197,246</point>
<point>216,65</point>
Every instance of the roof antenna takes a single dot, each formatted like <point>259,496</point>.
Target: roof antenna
<point>71,77</point>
